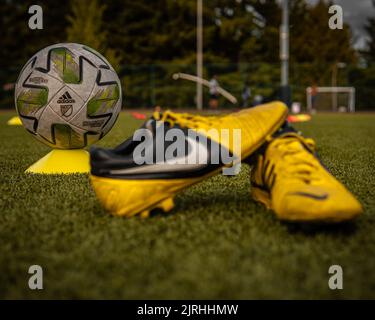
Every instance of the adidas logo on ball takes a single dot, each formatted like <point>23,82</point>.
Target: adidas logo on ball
<point>66,98</point>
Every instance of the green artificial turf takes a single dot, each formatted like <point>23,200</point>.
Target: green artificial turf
<point>216,243</point>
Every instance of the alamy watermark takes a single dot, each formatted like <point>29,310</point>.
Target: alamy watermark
<point>36,20</point>
<point>336,280</point>
<point>36,280</point>
<point>179,148</point>
<point>336,21</point>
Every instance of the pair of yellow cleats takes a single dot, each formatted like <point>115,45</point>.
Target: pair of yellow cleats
<point>287,177</point>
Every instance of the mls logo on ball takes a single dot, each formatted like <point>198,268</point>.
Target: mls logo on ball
<point>66,110</point>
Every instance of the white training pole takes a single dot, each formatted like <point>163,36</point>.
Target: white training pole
<point>352,100</point>
<point>284,44</point>
<point>309,99</point>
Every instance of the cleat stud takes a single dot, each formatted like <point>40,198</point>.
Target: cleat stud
<point>167,205</point>
<point>145,214</point>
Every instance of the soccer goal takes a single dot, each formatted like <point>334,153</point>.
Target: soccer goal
<point>331,99</point>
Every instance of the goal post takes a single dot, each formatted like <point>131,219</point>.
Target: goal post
<point>334,91</point>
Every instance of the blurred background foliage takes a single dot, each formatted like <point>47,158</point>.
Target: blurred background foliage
<point>147,41</point>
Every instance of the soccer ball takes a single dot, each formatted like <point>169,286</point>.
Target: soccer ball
<point>68,96</point>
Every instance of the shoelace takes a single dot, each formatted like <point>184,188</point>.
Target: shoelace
<point>297,161</point>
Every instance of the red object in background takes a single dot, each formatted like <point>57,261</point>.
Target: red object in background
<point>299,118</point>
<point>138,116</point>
<point>8,86</point>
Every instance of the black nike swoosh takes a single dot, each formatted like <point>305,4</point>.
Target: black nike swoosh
<point>311,195</point>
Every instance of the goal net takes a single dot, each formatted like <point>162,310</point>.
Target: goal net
<point>331,99</point>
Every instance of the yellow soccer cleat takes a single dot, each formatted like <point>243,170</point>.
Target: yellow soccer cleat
<point>289,179</point>
<point>143,173</point>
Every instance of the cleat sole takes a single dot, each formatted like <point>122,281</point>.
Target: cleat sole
<point>166,205</point>
<point>132,197</point>
<point>144,214</point>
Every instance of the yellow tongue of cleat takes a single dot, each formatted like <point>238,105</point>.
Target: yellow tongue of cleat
<point>294,141</point>
<point>296,157</point>
<point>187,120</point>
<point>156,115</point>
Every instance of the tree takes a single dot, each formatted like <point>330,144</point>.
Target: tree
<point>233,30</point>
<point>270,12</point>
<point>18,42</point>
<point>311,39</point>
<point>153,39</point>
<point>86,27</point>
<point>370,29</point>
<point>315,49</point>
<point>165,30</point>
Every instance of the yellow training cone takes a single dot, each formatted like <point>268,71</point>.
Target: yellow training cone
<point>62,162</point>
<point>15,121</point>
